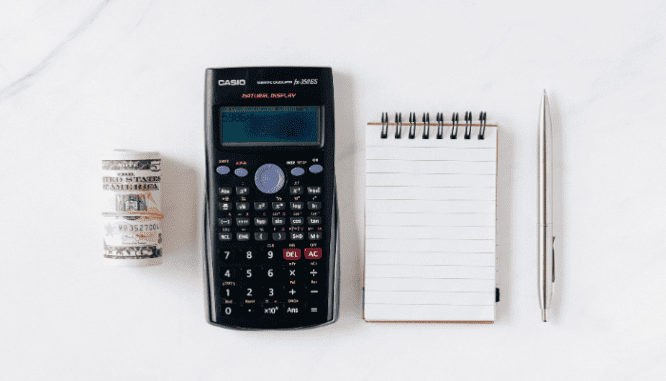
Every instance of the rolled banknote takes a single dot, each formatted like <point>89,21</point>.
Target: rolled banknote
<point>131,215</point>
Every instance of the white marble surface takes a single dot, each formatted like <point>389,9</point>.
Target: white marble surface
<point>80,77</point>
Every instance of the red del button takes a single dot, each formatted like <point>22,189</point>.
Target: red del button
<point>313,253</point>
<point>291,254</point>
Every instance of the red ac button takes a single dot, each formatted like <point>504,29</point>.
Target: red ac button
<point>313,253</point>
<point>291,254</point>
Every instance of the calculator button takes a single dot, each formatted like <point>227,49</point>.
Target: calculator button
<point>251,310</point>
<point>295,191</point>
<point>314,220</point>
<point>293,292</point>
<point>314,190</point>
<point>224,206</point>
<point>270,254</point>
<point>272,309</point>
<point>313,236</point>
<point>242,191</point>
<point>249,255</point>
<point>272,293</point>
<point>312,253</point>
<point>314,205</point>
<point>316,168</point>
<point>269,178</point>
<point>260,221</point>
<point>296,205</point>
<point>296,220</point>
<point>225,191</point>
<point>228,310</point>
<point>242,206</point>
<point>242,221</point>
<point>260,205</point>
<point>279,236</point>
<point>279,206</point>
<point>227,255</point>
<point>240,172</point>
<point>291,254</point>
<point>260,236</point>
<point>227,274</point>
<point>222,169</point>
<point>224,221</point>
<point>297,236</point>
<point>293,309</point>
<point>297,171</point>
<point>279,221</point>
<point>243,236</point>
<point>225,236</point>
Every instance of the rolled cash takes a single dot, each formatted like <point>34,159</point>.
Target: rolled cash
<point>131,215</point>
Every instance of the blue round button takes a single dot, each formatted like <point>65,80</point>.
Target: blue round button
<point>240,172</point>
<point>316,168</point>
<point>297,171</point>
<point>269,178</point>
<point>223,169</point>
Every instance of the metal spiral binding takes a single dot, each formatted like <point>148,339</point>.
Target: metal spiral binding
<point>426,125</point>
<point>440,125</point>
<point>455,120</point>
<point>468,124</point>
<point>398,125</point>
<point>482,125</point>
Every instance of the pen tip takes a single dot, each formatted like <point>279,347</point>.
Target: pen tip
<point>544,315</point>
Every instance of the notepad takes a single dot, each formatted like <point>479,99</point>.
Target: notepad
<point>430,221</point>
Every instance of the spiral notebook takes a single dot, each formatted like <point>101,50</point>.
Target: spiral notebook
<point>430,218</point>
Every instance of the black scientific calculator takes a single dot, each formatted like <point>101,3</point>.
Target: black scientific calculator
<point>271,225</point>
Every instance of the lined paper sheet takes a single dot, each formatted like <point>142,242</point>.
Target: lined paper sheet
<point>430,226</point>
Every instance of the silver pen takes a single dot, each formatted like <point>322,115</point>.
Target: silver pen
<point>546,239</point>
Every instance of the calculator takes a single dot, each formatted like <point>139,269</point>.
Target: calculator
<point>271,220</point>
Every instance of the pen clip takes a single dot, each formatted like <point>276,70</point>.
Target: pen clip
<point>553,259</point>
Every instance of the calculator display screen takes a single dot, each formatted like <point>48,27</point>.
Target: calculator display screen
<point>256,126</point>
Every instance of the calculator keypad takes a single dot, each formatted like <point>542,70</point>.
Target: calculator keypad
<point>272,264</point>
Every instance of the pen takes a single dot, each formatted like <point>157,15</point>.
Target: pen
<point>546,250</point>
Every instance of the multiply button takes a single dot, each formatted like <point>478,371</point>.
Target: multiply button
<point>312,253</point>
<point>291,254</point>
